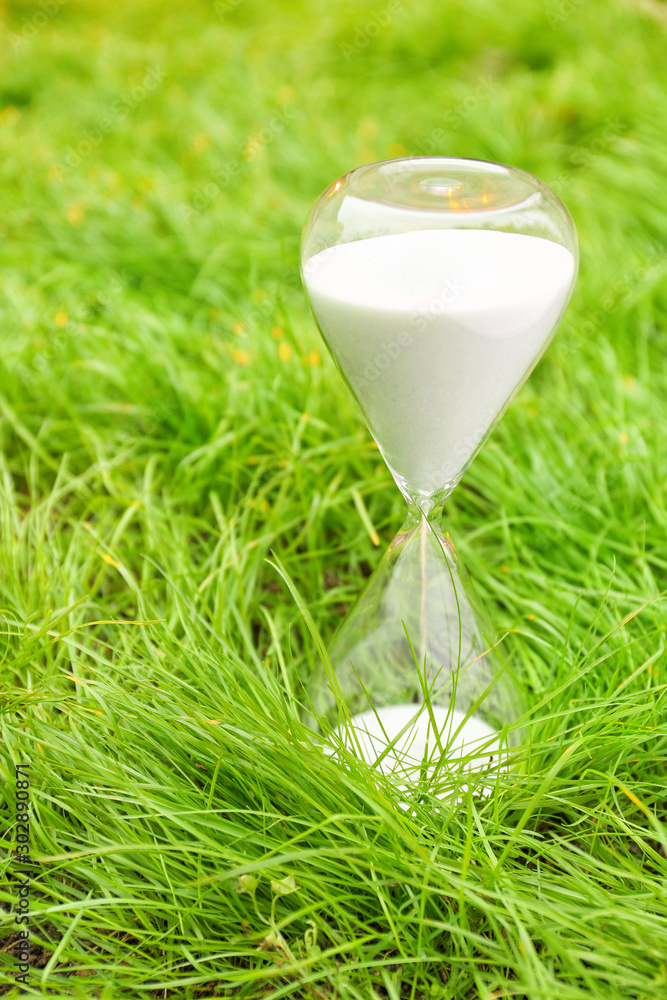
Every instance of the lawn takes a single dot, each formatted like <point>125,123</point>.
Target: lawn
<point>171,428</point>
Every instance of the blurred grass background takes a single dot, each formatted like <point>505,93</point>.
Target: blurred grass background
<point>168,418</point>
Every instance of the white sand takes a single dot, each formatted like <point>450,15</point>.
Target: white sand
<point>476,748</point>
<point>434,330</point>
<point>374,733</point>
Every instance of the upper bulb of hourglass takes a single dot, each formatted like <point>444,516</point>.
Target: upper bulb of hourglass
<point>437,284</point>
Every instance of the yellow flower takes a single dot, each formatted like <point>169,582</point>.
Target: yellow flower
<point>75,215</point>
<point>240,357</point>
<point>285,94</point>
<point>61,319</point>
<point>202,143</point>
<point>284,351</point>
<point>10,116</point>
<point>368,130</point>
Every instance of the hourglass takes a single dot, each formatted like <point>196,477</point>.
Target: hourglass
<point>436,284</point>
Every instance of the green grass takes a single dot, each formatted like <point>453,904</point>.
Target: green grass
<point>158,443</point>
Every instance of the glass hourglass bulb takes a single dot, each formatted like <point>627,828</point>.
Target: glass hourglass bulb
<point>437,284</point>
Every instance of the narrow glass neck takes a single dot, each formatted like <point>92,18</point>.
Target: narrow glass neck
<point>428,510</point>
<point>420,506</point>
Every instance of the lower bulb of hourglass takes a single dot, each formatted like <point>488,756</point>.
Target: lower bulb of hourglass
<point>416,688</point>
